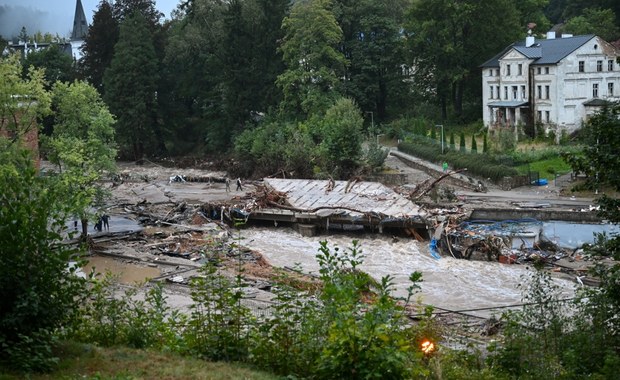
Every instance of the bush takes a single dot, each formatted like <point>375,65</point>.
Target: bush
<point>39,293</point>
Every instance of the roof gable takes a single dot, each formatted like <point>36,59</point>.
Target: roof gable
<point>544,52</point>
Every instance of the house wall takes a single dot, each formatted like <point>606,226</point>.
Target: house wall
<point>576,88</point>
<point>556,92</point>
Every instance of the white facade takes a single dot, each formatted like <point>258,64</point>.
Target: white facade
<point>556,82</point>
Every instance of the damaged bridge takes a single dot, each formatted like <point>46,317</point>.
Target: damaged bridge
<point>328,204</point>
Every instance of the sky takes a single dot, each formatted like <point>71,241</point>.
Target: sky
<point>53,16</point>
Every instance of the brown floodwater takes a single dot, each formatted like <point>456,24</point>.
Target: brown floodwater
<point>447,282</point>
<point>127,273</point>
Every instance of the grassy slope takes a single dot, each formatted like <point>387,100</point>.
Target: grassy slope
<point>89,362</point>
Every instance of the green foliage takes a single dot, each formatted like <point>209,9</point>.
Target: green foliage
<point>601,22</point>
<point>130,88</point>
<point>486,167</point>
<point>115,316</point>
<point>341,147</point>
<point>39,291</point>
<point>485,144</point>
<point>452,144</point>
<point>57,64</point>
<point>474,144</point>
<point>82,144</point>
<point>462,147</point>
<point>98,48</point>
<point>533,336</point>
<point>311,82</point>
<point>22,99</point>
<point>217,328</point>
<point>504,140</point>
<point>433,134</point>
<point>364,339</point>
<point>374,156</point>
<point>599,159</point>
<point>448,39</point>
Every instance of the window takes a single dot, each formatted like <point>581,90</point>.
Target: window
<point>539,91</point>
<point>497,92</point>
<point>523,92</point>
<point>506,92</point>
<point>610,65</point>
<point>582,65</point>
<point>547,70</point>
<point>520,69</point>
<point>496,72</point>
<point>547,116</point>
<point>507,70</point>
<point>491,72</point>
<point>538,70</point>
<point>491,92</point>
<point>514,92</point>
<point>546,92</point>
<point>610,89</point>
<point>539,116</point>
<point>599,65</point>
<point>595,90</point>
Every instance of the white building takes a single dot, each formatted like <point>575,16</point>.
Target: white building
<point>558,82</point>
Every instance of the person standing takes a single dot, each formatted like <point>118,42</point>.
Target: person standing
<point>239,188</point>
<point>227,184</point>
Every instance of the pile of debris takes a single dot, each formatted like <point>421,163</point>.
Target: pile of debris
<point>508,241</point>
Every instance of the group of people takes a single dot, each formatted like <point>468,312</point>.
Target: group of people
<point>239,187</point>
<point>103,223</point>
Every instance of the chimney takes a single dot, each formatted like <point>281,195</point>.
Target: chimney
<point>529,40</point>
<point>551,35</point>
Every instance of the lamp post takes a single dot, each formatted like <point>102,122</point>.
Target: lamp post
<point>441,126</point>
<point>372,120</point>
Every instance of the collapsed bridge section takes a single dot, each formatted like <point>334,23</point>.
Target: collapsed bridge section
<point>313,204</point>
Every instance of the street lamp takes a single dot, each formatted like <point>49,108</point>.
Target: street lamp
<point>372,120</point>
<point>441,125</point>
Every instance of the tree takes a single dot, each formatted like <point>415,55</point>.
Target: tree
<point>130,87</point>
<point>22,99</point>
<point>449,39</point>
<point>474,144</point>
<point>38,292</point>
<point>311,82</point>
<point>462,142</point>
<point>601,22</point>
<point>452,144</point>
<point>342,138</point>
<point>373,45</point>
<point>57,64</point>
<point>98,48</point>
<point>82,145</point>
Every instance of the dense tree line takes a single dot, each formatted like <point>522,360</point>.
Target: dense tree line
<point>217,69</point>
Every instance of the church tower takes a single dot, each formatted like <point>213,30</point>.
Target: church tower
<point>80,26</point>
<point>80,29</point>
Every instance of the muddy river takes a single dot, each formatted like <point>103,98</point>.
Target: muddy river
<point>447,283</point>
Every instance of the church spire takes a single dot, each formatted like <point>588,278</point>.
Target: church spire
<point>80,26</point>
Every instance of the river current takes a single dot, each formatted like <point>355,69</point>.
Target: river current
<point>448,283</point>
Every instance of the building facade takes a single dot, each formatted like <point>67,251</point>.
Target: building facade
<point>557,82</point>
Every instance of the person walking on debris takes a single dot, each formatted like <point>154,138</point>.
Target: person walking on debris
<point>445,167</point>
<point>239,188</point>
<point>98,224</point>
<point>227,184</point>
<point>105,218</point>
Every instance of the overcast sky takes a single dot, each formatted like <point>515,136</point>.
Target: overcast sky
<point>53,16</point>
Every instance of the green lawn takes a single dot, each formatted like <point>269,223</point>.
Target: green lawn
<point>79,361</point>
<point>547,168</point>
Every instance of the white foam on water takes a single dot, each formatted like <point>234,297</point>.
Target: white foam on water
<point>447,283</point>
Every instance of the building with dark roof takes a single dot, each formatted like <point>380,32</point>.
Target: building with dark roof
<point>558,82</point>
